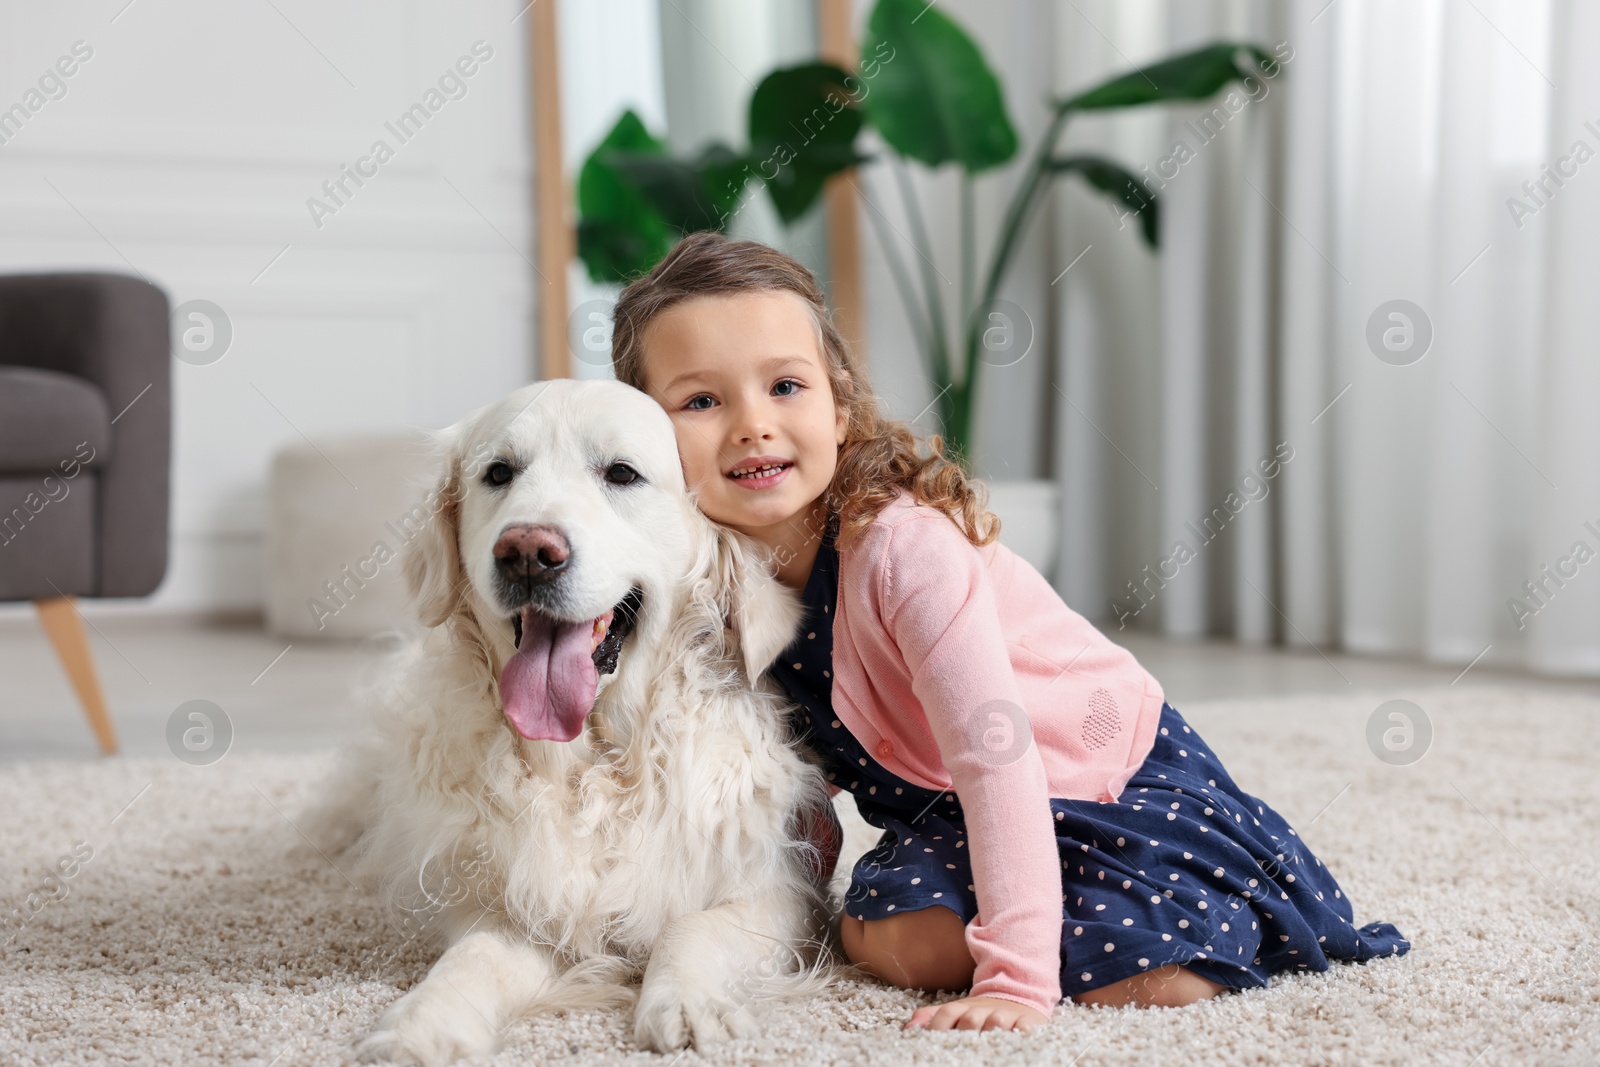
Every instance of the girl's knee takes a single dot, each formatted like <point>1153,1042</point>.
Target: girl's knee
<point>914,950</point>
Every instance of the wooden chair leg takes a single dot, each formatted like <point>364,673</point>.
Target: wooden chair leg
<point>59,616</point>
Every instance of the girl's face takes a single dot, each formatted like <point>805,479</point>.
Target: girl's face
<point>743,378</point>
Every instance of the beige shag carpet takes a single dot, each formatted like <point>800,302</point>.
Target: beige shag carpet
<point>198,933</point>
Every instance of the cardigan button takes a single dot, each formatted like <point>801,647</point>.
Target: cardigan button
<point>885,750</point>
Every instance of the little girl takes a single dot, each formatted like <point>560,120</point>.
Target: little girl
<point>1051,824</point>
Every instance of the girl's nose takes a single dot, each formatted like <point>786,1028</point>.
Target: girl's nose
<point>754,421</point>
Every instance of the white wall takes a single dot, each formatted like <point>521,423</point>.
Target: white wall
<point>186,147</point>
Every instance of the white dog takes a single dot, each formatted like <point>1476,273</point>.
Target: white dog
<point>572,767</point>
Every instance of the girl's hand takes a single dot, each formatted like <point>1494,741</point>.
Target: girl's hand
<point>976,1013</point>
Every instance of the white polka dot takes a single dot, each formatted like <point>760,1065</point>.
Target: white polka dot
<point>1127,922</point>
<point>1085,976</point>
<point>1166,937</point>
<point>1155,900</point>
<point>1127,884</point>
<point>1224,926</point>
<point>1174,805</point>
<point>1288,878</point>
<point>1077,931</point>
<point>1201,905</point>
<point>916,881</point>
<point>1122,841</point>
<point>1102,876</point>
<point>1060,815</point>
<point>1163,731</point>
<point>1110,946</point>
<point>1099,907</point>
<point>1172,815</point>
<point>1183,752</point>
<point>872,892</point>
<point>836,722</point>
<point>862,761</point>
<point>1208,811</point>
<point>936,896</point>
<point>1173,877</point>
<point>898,790</point>
<point>1183,924</point>
<point>1219,872</point>
<point>1143,962</point>
<point>891,907</point>
<point>1252,881</point>
<point>812,635</point>
<point>1188,855</point>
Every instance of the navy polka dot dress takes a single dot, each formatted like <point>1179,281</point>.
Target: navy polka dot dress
<point>1185,868</point>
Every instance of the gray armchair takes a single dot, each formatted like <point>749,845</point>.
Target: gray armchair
<point>85,450</point>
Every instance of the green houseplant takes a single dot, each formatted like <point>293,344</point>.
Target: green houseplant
<point>926,89</point>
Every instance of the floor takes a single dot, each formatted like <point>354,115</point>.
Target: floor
<point>283,696</point>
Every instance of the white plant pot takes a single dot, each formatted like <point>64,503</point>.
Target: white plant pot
<point>1030,520</point>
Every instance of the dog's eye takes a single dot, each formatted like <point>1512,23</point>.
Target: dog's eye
<point>498,473</point>
<point>621,474</point>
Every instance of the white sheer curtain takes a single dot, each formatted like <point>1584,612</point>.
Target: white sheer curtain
<point>1423,493</point>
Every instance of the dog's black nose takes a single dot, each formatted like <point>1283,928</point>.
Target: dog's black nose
<point>525,553</point>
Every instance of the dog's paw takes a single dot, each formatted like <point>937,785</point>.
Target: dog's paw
<point>668,1018</point>
<point>429,1027</point>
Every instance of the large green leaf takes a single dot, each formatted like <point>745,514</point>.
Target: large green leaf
<point>1116,180</point>
<point>690,195</point>
<point>1190,76</point>
<point>930,94</point>
<point>620,234</point>
<point>803,126</point>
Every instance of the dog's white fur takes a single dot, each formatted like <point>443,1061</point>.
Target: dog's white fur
<point>660,843</point>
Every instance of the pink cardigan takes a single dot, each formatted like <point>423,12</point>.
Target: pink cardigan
<point>931,634</point>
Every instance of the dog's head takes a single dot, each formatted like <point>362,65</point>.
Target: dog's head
<point>562,526</point>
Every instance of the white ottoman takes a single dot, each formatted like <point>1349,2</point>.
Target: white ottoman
<point>333,549</point>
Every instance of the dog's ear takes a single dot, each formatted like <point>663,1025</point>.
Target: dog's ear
<point>760,614</point>
<point>432,555</point>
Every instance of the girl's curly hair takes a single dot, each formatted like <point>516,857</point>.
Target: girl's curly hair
<point>879,455</point>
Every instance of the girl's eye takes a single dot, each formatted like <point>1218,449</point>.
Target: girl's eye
<point>692,399</point>
<point>621,474</point>
<point>795,381</point>
<point>498,473</point>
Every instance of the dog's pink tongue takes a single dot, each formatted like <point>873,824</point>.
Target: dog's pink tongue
<point>549,686</point>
